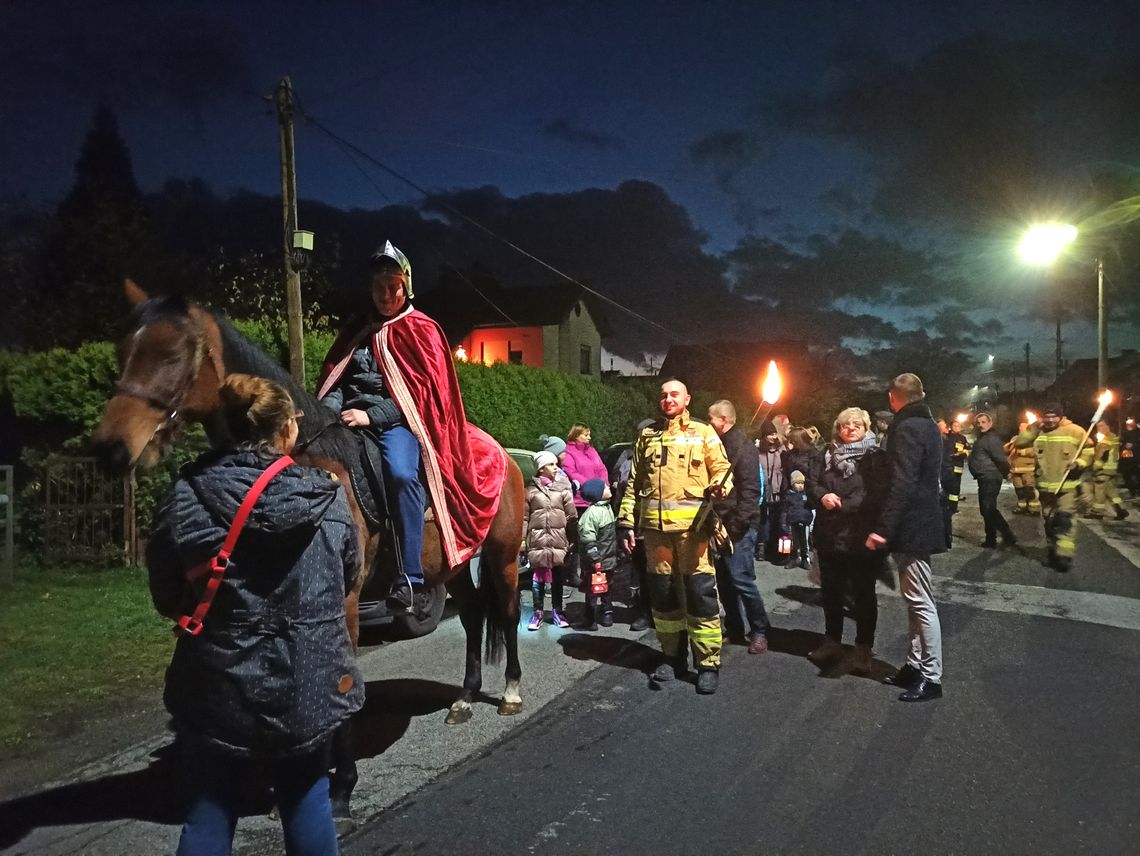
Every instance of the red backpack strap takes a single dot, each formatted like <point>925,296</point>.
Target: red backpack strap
<point>191,625</point>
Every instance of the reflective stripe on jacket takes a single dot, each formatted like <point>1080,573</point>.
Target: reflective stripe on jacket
<point>673,464</point>
<point>1055,449</point>
<point>1107,456</point>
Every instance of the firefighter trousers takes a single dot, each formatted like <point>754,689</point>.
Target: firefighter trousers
<point>1025,486</point>
<point>1104,492</point>
<point>1057,511</point>
<point>683,595</point>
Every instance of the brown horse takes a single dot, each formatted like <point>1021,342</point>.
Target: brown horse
<point>171,366</point>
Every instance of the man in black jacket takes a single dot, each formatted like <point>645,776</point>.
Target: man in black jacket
<point>740,513</point>
<point>990,466</point>
<point>910,525</point>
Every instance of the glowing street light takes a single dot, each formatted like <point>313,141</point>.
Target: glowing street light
<point>1045,241</point>
<point>1040,246</point>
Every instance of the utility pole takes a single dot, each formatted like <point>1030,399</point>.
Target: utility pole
<point>284,101</point>
<point>1026,366</point>
<point>1060,362</point>
<point>1101,329</point>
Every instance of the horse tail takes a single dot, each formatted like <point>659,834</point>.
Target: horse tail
<point>496,636</point>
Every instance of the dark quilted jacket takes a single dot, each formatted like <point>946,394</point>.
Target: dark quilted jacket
<point>861,494</point>
<point>273,670</point>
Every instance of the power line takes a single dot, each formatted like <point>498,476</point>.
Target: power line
<point>490,232</point>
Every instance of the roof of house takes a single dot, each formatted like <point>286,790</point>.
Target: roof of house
<point>1082,374</point>
<point>460,308</point>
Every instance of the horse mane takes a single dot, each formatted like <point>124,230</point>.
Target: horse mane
<point>320,430</point>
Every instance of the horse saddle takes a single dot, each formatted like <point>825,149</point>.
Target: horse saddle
<point>366,474</point>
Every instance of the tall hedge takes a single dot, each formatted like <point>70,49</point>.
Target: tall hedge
<point>57,398</point>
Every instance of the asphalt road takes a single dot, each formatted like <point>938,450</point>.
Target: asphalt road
<point>1033,749</point>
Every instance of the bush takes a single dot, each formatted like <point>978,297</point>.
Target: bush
<point>515,404</point>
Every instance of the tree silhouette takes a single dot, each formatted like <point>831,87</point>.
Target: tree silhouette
<point>100,235</point>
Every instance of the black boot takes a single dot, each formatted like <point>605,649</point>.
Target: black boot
<point>605,611</point>
<point>590,619</point>
<point>638,611</point>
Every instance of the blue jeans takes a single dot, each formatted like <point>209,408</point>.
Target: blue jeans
<point>736,575</point>
<point>401,454</point>
<point>219,784</point>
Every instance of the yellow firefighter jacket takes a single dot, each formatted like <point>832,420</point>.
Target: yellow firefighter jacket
<point>1055,449</point>
<point>672,466</point>
<point>1107,456</point>
<point>1021,460</point>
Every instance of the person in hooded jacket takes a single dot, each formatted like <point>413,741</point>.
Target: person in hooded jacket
<point>271,674</point>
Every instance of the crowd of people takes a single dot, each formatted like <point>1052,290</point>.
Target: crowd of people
<point>257,688</point>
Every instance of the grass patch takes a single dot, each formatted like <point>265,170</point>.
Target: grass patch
<point>70,639</point>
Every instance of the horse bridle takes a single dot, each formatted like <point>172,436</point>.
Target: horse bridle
<point>172,406</point>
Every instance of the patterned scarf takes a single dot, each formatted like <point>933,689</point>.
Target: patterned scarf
<point>844,456</point>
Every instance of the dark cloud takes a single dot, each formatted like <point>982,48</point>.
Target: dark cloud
<point>729,153</point>
<point>980,128</point>
<point>846,265</point>
<point>138,60</point>
<point>563,129</point>
<point>841,199</point>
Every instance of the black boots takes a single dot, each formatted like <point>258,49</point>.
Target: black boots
<point>639,612</point>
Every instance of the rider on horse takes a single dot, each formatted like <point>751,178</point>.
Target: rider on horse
<point>390,376</point>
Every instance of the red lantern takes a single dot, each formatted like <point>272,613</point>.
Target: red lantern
<point>785,544</point>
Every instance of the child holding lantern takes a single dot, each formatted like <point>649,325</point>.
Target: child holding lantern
<point>597,543</point>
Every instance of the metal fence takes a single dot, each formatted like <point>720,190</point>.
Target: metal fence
<point>87,516</point>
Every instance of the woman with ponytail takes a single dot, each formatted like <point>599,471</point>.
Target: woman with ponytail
<point>264,672</point>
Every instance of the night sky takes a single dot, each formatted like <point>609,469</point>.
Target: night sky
<point>845,160</point>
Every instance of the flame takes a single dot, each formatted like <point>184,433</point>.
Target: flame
<point>962,418</point>
<point>1030,416</point>
<point>1105,398</point>
<point>772,384</point>
<point>1099,437</point>
<point>461,354</point>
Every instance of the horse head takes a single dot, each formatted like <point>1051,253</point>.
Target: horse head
<point>169,374</point>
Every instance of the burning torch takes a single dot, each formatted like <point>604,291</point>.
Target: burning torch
<point>770,393</point>
<point>1103,401</point>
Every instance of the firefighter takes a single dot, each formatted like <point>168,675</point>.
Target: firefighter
<point>1061,460</point>
<point>1106,458</point>
<point>1022,466</point>
<point>677,463</point>
<point>955,448</point>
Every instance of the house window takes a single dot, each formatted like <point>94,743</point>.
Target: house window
<point>513,357</point>
<point>584,360</point>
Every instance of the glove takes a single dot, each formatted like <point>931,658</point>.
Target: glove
<point>1076,472</point>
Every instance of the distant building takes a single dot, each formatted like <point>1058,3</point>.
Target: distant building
<point>556,327</point>
<point>1076,387</point>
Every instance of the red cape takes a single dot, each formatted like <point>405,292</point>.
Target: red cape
<point>465,467</point>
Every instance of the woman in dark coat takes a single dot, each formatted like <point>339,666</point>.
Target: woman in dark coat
<point>271,675</point>
<point>848,491</point>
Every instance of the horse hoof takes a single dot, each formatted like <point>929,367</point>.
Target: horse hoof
<point>509,708</point>
<point>458,716</point>
<point>343,825</point>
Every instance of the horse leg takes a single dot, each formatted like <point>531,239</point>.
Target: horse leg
<point>343,778</point>
<point>471,616</point>
<point>508,598</point>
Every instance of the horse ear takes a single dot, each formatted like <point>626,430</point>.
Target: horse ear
<point>135,295</point>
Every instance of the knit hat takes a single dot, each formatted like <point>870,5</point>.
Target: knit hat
<point>1053,407</point>
<point>541,459</point>
<point>767,427</point>
<point>555,445</point>
<point>592,490</point>
<point>797,477</point>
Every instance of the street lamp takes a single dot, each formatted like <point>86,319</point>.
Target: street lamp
<point>1041,246</point>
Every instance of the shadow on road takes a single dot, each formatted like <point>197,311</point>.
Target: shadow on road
<point>150,794</point>
<point>389,707</point>
<point>611,651</point>
<point>153,794</point>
